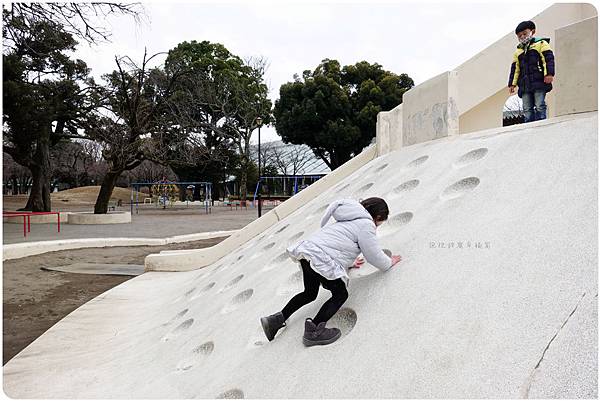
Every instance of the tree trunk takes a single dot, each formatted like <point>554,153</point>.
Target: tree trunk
<point>244,182</point>
<point>106,190</point>
<point>39,198</point>
<point>245,152</point>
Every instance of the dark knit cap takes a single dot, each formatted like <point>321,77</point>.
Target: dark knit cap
<point>525,25</point>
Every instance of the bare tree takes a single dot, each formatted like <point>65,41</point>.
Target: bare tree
<point>267,155</point>
<point>227,105</point>
<point>46,93</point>
<point>290,159</point>
<point>149,171</point>
<point>75,17</point>
<point>17,176</point>
<point>128,130</point>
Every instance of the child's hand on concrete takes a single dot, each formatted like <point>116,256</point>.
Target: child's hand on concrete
<point>396,259</point>
<point>358,262</point>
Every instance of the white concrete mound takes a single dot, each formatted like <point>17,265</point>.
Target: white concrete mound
<point>510,312</point>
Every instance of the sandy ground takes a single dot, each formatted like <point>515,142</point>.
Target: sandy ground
<point>34,299</point>
<point>82,196</point>
<point>150,222</point>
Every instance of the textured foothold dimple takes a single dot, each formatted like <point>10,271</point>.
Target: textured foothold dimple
<point>319,210</point>
<point>459,188</point>
<point>344,319</point>
<point>471,157</point>
<point>404,187</point>
<point>344,187</point>
<point>208,287</point>
<point>190,292</point>
<point>240,257</point>
<point>269,246</point>
<point>178,330</point>
<point>185,325</point>
<point>417,162</point>
<point>231,394</point>
<point>362,189</point>
<point>296,236</point>
<point>395,222</point>
<point>184,366</point>
<point>218,268</point>
<point>295,278</point>
<point>292,286</point>
<point>197,354</point>
<point>282,228</point>
<point>239,299</point>
<point>282,257</point>
<point>378,169</point>
<point>204,349</point>
<point>177,316</point>
<point>232,283</point>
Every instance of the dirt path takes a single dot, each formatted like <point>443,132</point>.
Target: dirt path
<point>34,299</point>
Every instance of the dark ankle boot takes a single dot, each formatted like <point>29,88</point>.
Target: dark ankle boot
<point>319,334</point>
<point>271,324</point>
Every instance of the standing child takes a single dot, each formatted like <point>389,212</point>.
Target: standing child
<point>325,258</point>
<point>532,70</point>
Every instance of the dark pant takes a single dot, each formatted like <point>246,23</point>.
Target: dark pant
<point>312,279</point>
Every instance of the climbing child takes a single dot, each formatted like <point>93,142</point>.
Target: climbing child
<point>325,258</point>
<point>532,70</point>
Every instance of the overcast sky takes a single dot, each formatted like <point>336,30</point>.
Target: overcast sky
<point>420,39</point>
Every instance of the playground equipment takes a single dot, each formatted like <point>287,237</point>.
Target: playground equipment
<point>165,193</point>
<point>27,218</point>
<point>282,187</point>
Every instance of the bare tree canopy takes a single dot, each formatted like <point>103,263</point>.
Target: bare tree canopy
<point>47,96</point>
<point>75,18</point>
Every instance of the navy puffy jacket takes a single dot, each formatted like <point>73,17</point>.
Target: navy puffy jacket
<point>530,64</point>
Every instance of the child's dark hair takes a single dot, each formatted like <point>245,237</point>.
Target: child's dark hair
<point>377,208</point>
<point>525,25</point>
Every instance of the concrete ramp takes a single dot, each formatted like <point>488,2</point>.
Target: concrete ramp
<point>109,269</point>
<point>496,296</point>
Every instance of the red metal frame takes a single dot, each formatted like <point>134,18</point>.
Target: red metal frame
<point>27,216</point>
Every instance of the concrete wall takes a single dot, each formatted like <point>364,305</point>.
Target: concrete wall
<point>388,122</point>
<point>487,115</point>
<point>91,218</point>
<point>576,83</point>
<point>495,59</point>
<point>480,90</point>
<point>16,251</point>
<point>429,110</point>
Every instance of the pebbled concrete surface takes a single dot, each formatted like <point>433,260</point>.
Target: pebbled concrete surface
<point>495,296</point>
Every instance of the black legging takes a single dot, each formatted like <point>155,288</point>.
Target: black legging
<point>312,279</point>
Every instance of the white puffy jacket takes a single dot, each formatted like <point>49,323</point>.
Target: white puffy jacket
<point>333,249</point>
